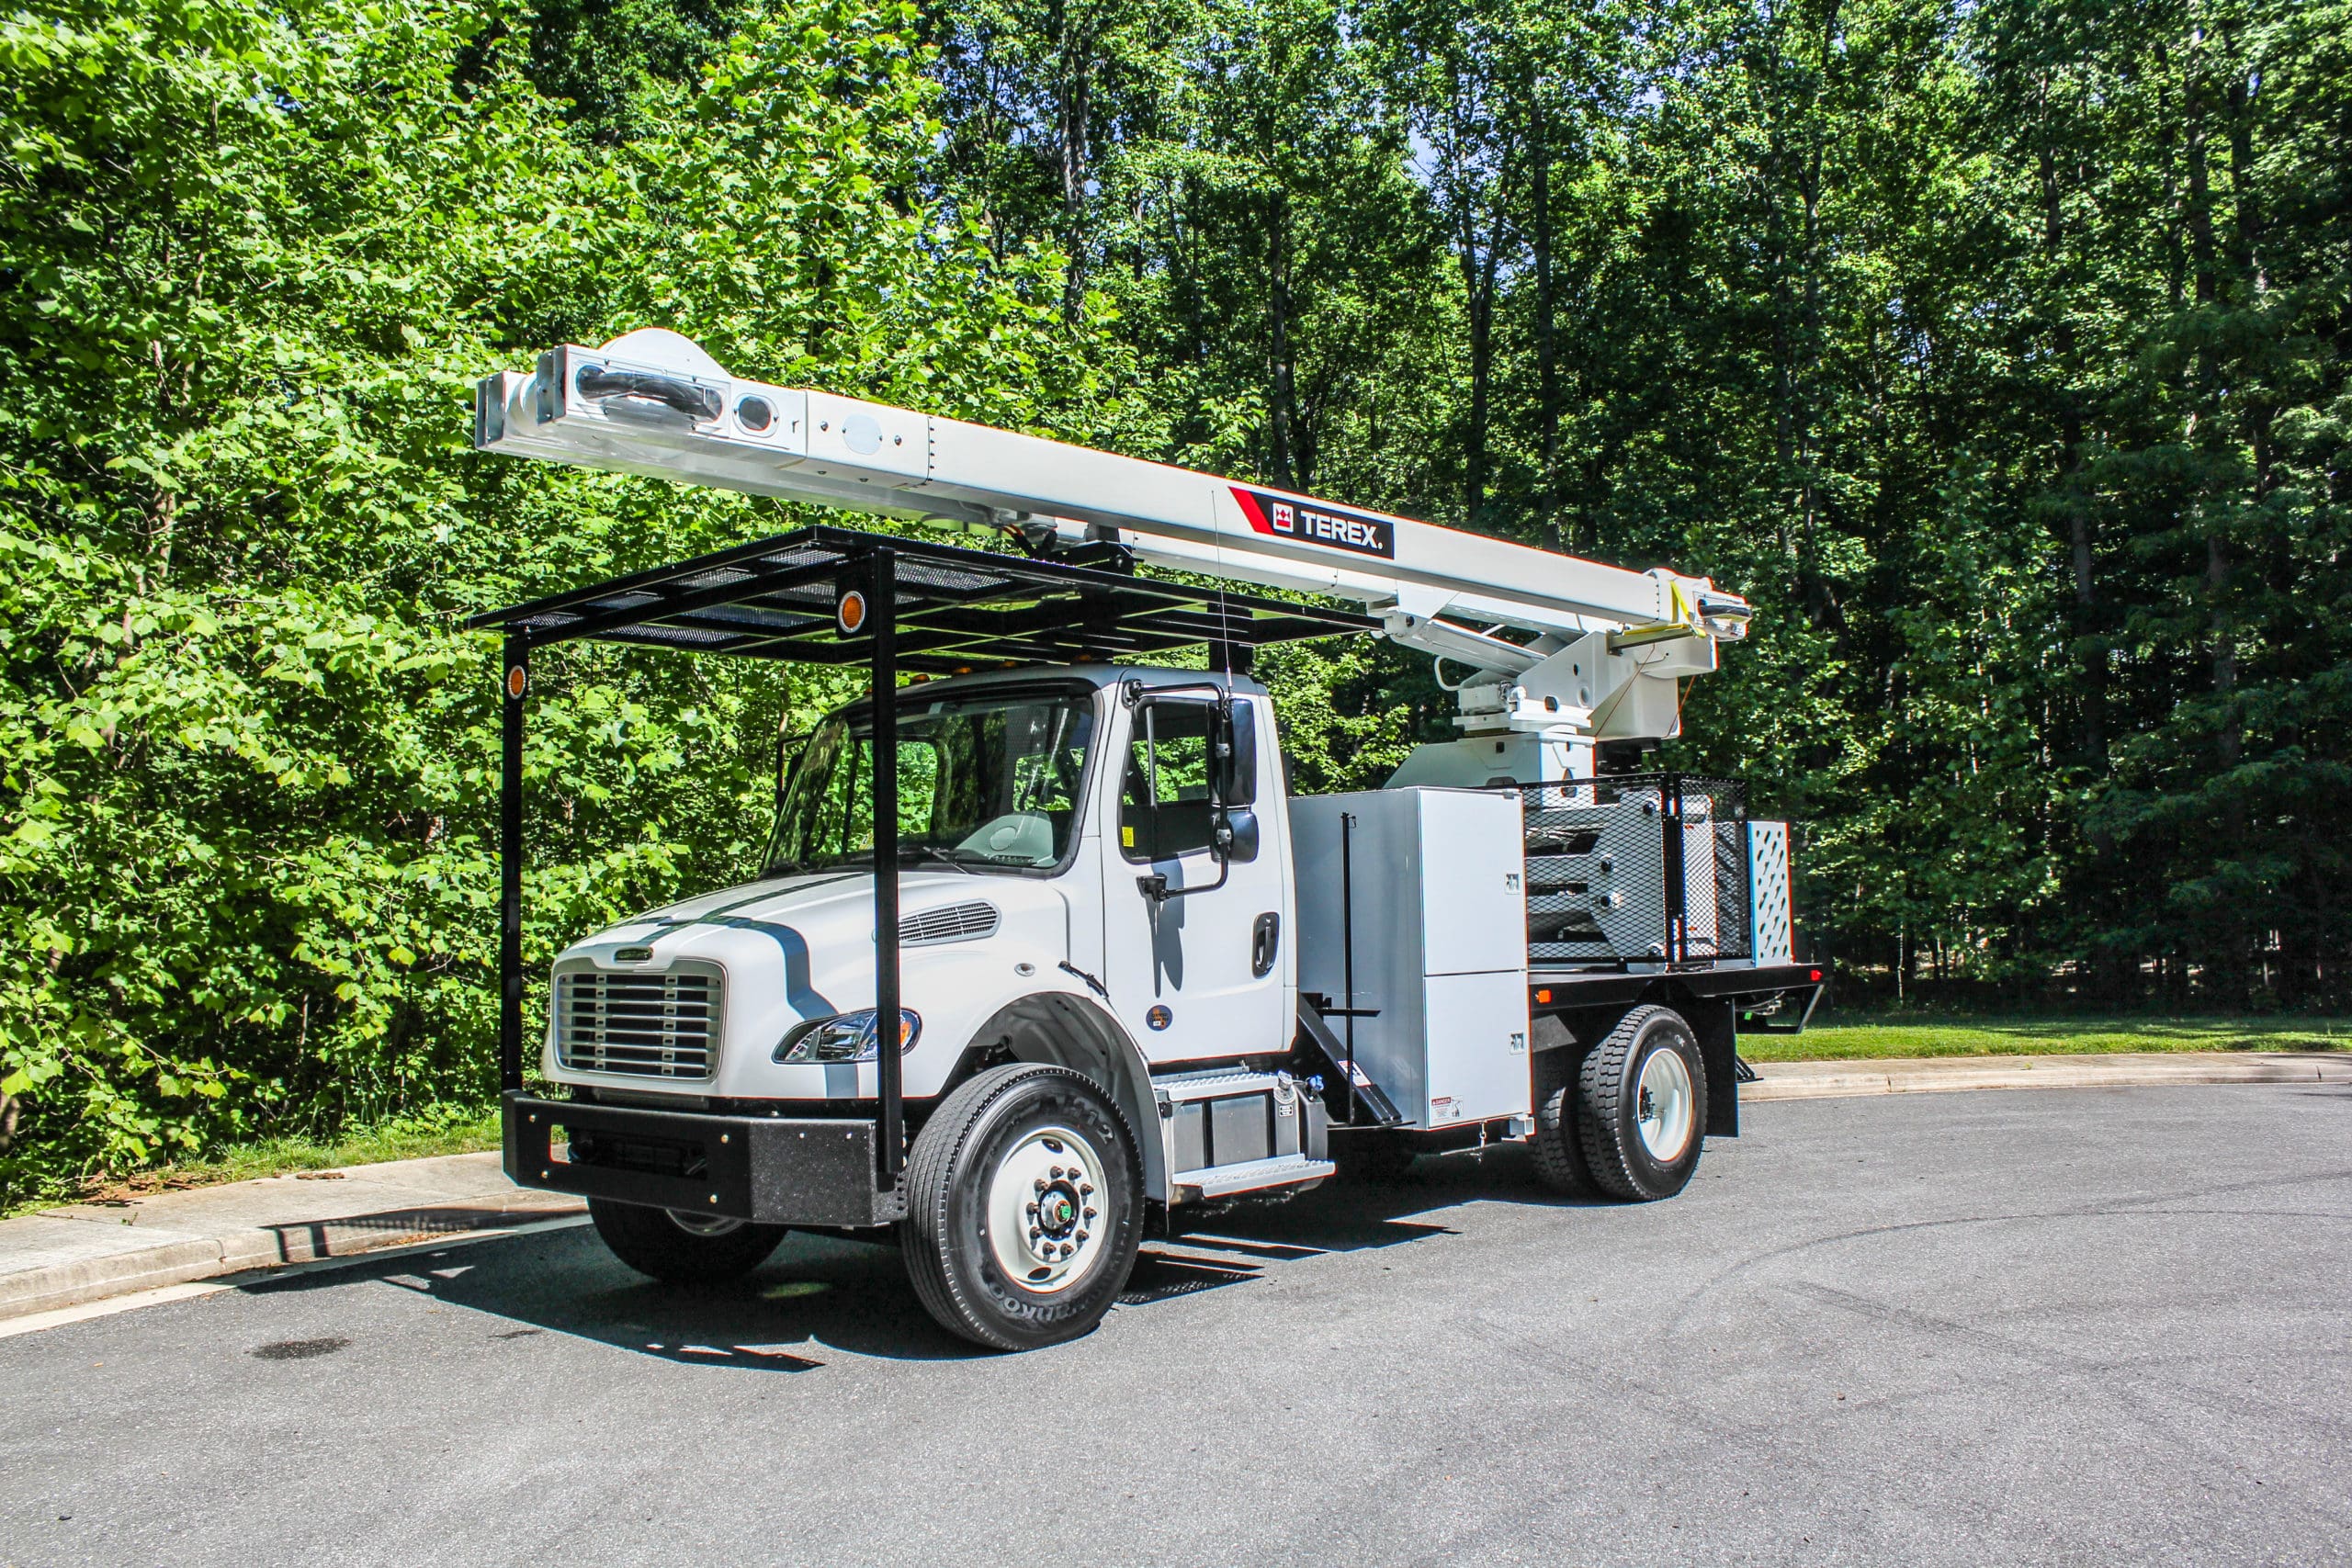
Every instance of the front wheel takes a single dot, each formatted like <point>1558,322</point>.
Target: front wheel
<point>687,1249</point>
<point>1024,1207</point>
<point>1643,1114</point>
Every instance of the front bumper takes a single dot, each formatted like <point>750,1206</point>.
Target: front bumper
<point>773,1170</point>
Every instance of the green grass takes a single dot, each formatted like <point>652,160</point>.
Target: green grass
<point>2045,1037</point>
<point>441,1130</point>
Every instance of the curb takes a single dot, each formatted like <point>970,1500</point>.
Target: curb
<point>1934,1075</point>
<point>81,1253</point>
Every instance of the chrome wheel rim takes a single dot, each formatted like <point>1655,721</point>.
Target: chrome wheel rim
<point>1044,1210</point>
<point>1664,1105</point>
<point>703,1224</point>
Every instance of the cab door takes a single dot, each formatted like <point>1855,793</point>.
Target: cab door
<point>1197,943</point>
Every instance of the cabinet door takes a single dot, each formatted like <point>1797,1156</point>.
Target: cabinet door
<point>1472,864</point>
<point>1477,1048</point>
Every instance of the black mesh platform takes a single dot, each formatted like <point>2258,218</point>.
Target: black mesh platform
<point>957,609</point>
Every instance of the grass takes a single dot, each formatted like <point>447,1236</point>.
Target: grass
<point>2044,1037</point>
<point>441,1130</point>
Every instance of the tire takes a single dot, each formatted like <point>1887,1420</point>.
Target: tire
<point>685,1249</point>
<point>1643,1106</point>
<point>1558,1146</point>
<point>1016,1165</point>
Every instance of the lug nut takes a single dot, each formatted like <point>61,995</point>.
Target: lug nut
<point>1084,1190</point>
<point>1057,1173</point>
<point>1033,1211</point>
<point>1089,1213</point>
<point>1081,1235</point>
<point>1040,1184</point>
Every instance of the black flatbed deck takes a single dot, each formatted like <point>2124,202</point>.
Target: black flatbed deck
<point>1559,989</point>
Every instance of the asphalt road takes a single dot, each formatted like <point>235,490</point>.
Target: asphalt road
<point>2075,1326</point>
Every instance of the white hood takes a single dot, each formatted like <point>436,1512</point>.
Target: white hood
<point>792,949</point>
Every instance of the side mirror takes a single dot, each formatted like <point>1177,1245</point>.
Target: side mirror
<point>1236,835</point>
<point>1233,747</point>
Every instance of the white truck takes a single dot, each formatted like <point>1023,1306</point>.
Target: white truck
<point>1129,970</point>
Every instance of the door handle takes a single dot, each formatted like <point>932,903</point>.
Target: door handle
<point>1265,937</point>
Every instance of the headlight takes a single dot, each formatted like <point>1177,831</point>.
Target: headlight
<point>849,1038</point>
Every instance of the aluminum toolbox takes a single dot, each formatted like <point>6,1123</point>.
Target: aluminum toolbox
<point>1439,929</point>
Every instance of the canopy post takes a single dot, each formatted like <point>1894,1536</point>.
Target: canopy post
<point>514,681</point>
<point>883,610</point>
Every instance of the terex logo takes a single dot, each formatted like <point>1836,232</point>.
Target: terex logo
<point>1317,524</point>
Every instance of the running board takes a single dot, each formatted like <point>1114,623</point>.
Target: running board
<point>1226,1181</point>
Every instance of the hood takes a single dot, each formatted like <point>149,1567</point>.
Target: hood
<point>792,949</point>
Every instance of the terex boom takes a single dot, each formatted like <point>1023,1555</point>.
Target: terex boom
<point>1043,948</point>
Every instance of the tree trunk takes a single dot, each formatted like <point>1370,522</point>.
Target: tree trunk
<point>1283,408</point>
<point>1073,109</point>
<point>1547,351</point>
<point>1478,285</point>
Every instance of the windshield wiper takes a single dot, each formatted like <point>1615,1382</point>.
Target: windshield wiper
<point>937,853</point>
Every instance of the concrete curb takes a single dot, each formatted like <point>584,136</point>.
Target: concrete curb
<point>84,1252</point>
<point>1930,1075</point>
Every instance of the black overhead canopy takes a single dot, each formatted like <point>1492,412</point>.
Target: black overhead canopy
<point>956,609</point>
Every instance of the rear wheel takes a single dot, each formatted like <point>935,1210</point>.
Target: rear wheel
<point>687,1249</point>
<point>1557,1146</point>
<point>1024,1207</point>
<point>1644,1106</point>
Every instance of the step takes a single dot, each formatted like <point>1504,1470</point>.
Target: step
<point>1225,1180</point>
<point>1217,1083</point>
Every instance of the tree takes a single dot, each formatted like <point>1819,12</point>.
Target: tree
<point>245,874</point>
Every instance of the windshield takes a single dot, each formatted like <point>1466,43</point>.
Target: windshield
<point>986,780</point>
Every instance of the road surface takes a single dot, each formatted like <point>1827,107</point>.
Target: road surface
<point>2081,1326</point>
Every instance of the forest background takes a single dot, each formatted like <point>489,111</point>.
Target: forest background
<point>1998,350</point>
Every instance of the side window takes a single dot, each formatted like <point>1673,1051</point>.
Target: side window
<point>1164,801</point>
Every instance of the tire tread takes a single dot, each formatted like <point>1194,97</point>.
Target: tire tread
<point>930,1177</point>
<point>1557,1146</point>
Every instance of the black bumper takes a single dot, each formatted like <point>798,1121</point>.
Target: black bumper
<point>769,1169</point>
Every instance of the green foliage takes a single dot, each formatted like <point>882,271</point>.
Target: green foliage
<point>1997,350</point>
<point>249,759</point>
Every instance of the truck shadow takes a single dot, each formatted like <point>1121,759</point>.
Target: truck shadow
<point>820,1293</point>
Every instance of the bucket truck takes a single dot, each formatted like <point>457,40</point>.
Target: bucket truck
<point>1043,950</point>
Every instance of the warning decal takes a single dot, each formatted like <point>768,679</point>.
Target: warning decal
<point>1311,522</point>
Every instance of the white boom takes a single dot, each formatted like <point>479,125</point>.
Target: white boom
<point>1609,643</point>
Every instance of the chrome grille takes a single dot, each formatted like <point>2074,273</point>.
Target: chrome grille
<point>956,923</point>
<point>658,1026</point>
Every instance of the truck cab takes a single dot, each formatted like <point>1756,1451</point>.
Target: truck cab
<point>1058,837</point>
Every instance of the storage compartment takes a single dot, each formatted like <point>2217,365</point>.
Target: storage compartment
<point>1221,1119</point>
<point>1440,940</point>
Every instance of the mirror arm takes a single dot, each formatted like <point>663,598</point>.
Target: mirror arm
<point>1155,886</point>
